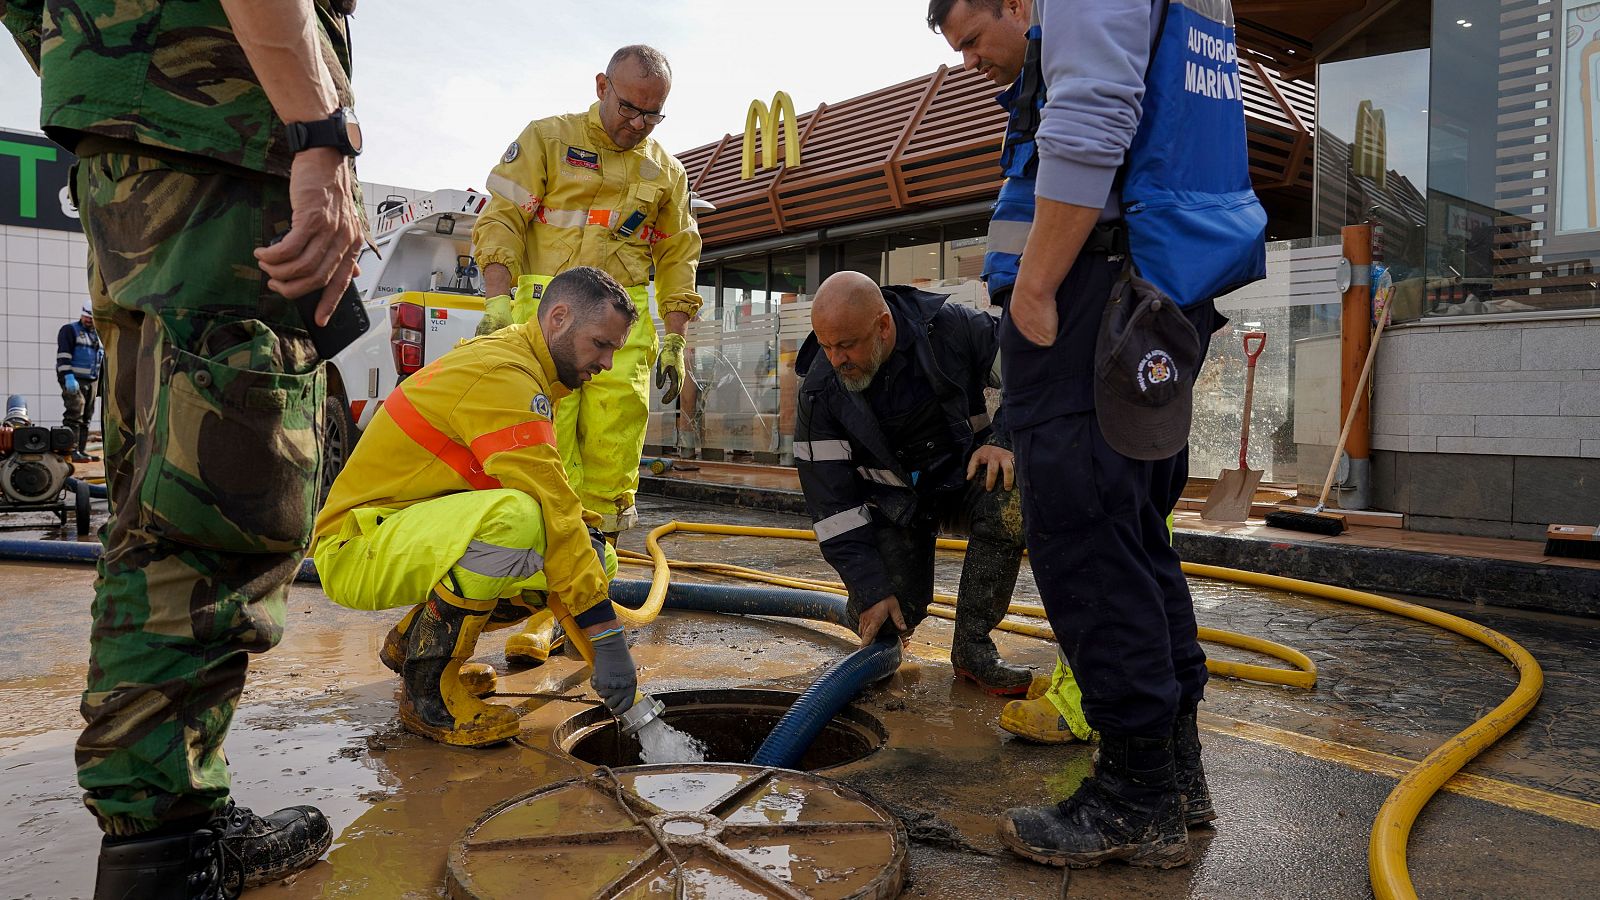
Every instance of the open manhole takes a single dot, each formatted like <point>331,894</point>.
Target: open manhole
<point>688,830</point>
<point>732,722</point>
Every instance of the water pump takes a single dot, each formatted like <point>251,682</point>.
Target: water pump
<point>35,466</point>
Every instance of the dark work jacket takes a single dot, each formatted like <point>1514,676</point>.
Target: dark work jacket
<point>847,465</point>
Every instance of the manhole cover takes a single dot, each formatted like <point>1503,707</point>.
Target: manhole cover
<point>737,831</point>
<point>730,722</point>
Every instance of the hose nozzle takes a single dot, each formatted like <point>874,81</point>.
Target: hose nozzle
<point>645,709</point>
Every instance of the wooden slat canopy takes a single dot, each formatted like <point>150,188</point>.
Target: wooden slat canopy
<point>935,141</point>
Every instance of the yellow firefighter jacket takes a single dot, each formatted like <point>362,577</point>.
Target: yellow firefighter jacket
<point>477,418</point>
<point>564,195</point>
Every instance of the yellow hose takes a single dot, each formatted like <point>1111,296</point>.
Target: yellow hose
<point>1386,849</point>
<point>1304,675</point>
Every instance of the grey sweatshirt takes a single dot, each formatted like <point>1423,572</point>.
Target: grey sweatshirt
<point>1094,54</point>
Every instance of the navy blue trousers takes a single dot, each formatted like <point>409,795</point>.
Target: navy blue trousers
<point>1096,523</point>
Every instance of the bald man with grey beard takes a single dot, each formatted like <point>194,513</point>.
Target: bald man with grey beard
<point>894,443</point>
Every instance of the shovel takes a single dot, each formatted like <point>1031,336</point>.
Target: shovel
<point>1235,489</point>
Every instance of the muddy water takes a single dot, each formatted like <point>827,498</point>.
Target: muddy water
<point>317,726</point>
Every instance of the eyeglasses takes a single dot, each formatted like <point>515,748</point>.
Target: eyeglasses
<point>631,112</point>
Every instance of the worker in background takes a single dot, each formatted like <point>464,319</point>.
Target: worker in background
<point>202,130</point>
<point>456,504</point>
<point>78,361</point>
<point>992,38</point>
<point>893,441</point>
<point>593,189</point>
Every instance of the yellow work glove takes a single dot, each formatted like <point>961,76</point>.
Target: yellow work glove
<point>669,366</point>
<point>496,315</point>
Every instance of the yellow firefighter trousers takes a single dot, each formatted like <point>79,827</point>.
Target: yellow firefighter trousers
<point>600,429</point>
<point>490,544</point>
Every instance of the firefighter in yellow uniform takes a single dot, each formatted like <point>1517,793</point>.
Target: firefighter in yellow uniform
<point>592,189</point>
<point>457,504</point>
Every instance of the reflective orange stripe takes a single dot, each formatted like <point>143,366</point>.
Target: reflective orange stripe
<point>437,442</point>
<point>523,434</point>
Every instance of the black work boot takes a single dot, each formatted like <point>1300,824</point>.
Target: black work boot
<point>1129,809</point>
<point>185,866</point>
<point>987,579</point>
<point>269,848</point>
<point>1191,773</point>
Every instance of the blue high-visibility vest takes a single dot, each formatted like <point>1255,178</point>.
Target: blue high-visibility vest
<point>1195,227</point>
<point>1019,162</point>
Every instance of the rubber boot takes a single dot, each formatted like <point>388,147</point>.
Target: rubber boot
<point>988,577</point>
<point>480,679</point>
<point>435,703</point>
<point>1191,772</point>
<point>1052,712</point>
<point>1130,809</point>
<point>538,639</point>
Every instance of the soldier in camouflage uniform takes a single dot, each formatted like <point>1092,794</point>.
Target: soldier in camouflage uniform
<point>214,395</point>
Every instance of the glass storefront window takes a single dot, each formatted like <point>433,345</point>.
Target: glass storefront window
<point>913,257</point>
<point>864,255</point>
<point>964,246</point>
<point>1514,130</point>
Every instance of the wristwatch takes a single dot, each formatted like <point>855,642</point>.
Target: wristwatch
<point>340,131</point>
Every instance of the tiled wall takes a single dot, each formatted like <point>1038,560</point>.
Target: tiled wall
<point>1490,428</point>
<point>42,287</point>
<point>1502,388</point>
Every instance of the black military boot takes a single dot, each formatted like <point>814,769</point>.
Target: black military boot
<point>987,579</point>
<point>1130,809</point>
<point>1191,773</point>
<point>185,866</point>
<point>236,849</point>
<point>264,849</point>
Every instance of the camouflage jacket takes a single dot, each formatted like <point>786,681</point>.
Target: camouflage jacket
<point>165,73</point>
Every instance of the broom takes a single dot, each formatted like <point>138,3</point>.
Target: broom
<point>1318,520</point>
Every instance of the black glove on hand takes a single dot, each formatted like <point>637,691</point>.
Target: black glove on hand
<point>615,678</point>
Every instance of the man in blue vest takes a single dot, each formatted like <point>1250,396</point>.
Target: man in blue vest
<point>1105,329</point>
<point>78,361</point>
<point>992,37</point>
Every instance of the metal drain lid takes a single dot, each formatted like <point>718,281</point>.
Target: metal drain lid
<point>736,831</point>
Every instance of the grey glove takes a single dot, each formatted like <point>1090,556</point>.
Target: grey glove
<point>614,679</point>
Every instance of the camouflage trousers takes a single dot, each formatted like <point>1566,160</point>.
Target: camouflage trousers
<point>213,412</point>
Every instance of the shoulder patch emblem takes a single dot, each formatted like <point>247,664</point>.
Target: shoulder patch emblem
<point>512,152</point>
<point>541,405</point>
<point>648,170</point>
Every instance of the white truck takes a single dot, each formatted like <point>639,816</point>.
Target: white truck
<point>423,294</point>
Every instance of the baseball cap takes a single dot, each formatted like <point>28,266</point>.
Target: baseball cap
<point>88,310</point>
<point>1146,359</point>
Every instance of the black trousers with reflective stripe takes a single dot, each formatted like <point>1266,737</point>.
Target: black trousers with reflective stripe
<point>988,518</point>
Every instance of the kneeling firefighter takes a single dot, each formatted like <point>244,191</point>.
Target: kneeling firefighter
<point>892,442</point>
<point>456,504</point>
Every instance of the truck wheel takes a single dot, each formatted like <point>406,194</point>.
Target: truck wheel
<point>338,439</point>
<point>80,498</point>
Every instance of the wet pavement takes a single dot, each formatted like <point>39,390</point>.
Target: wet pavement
<point>1297,775</point>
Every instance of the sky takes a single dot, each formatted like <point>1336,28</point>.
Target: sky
<point>441,89</point>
